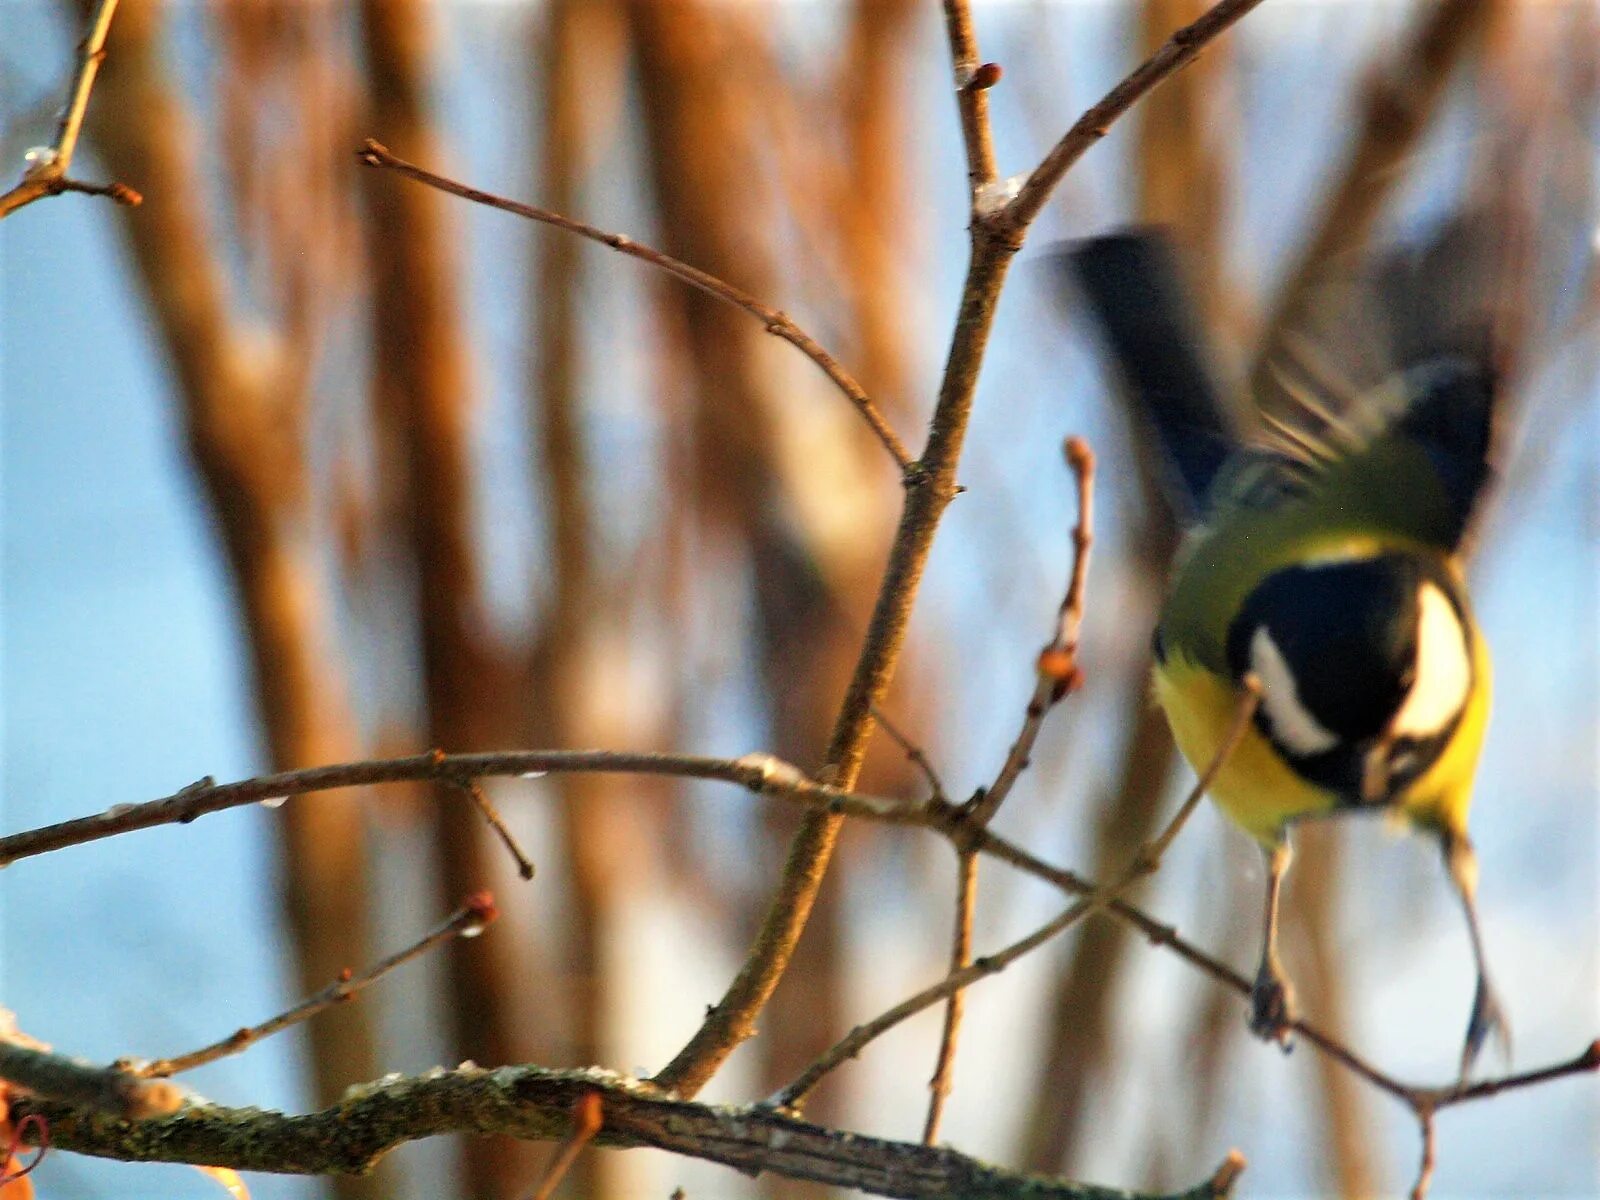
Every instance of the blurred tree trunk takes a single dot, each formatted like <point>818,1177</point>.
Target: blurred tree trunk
<point>580,45</point>
<point>809,655</point>
<point>245,403</point>
<point>1401,97</point>
<point>423,385</point>
<point>711,193</point>
<point>774,473</point>
<point>1180,170</point>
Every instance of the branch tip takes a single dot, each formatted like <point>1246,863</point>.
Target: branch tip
<point>985,77</point>
<point>480,908</point>
<point>1079,455</point>
<point>1227,1175</point>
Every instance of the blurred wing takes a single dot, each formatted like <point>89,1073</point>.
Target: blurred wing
<point>1134,289</point>
<point>1378,410</point>
<point>1396,369</point>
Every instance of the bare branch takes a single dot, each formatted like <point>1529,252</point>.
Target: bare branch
<point>1180,50</point>
<point>960,958</point>
<point>757,772</point>
<point>765,775</point>
<point>1058,675</point>
<point>915,753</point>
<point>46,173</point>
<point>1146,862</point>
<point>973,81</point>
<point>112,1090</point>
<point>587,1118</point>
<point>1058,672</point>
<point>480,799</point>
<point>1226,1175</point>
<point>930,487</point>
<point>91,52</point>
<point>779,324</point>
<point>533,1103</point>
<point>1419,1190</point>
<point>468,921</point>
<point>991,964</point>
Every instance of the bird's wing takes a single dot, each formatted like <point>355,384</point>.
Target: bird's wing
<point>1393,368</point>
<point>1134,288</point>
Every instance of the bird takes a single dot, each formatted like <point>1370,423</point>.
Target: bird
<point>1321,577</point>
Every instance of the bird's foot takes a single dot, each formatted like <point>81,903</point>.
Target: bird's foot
<point>1272,1010</point>
<point>1488,1017</point>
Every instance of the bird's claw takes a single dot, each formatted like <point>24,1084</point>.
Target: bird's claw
<point>1272,1009</point>
<point>1488,1017</point>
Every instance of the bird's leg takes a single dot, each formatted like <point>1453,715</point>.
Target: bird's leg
<point>1271,999</point>
<point>1487,1015</point>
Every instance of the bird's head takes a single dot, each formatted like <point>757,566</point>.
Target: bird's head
<point>1365,666</point>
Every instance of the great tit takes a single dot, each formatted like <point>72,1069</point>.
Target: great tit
<point>1324,555</point>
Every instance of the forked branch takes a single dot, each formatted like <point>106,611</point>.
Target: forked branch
<point>46,171</point>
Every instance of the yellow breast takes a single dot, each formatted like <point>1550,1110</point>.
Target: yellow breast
<point>1261,793</point>
<point>1256,788</point>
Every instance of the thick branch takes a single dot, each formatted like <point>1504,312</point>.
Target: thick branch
<point>101,1089</point>
<point>530,1102</point>
<point>929,488</point>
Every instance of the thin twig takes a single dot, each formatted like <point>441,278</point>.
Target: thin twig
<point>914,752</point>
<point>757,772</point>
<point>1227,1175</point>
<point>480,798</point>
<point>91,52</point>
<point>1058,674</point>
<point>587,1118</point>
<point>973,81</point>
<point>1144,863</point>
<point>1178,52</point>
<point>790,1097</point>
<point>960,958</point>
<point>765,775</point>
<point>1419,1190</point>
<point>36,1125</point>
<point>777,323</point>
<point>468,921</point>
<point>46,175</point>
<point>1058,671</point>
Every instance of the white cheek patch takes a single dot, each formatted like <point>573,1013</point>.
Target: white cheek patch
<point>1293,726</point>
<point>1444,669</point>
